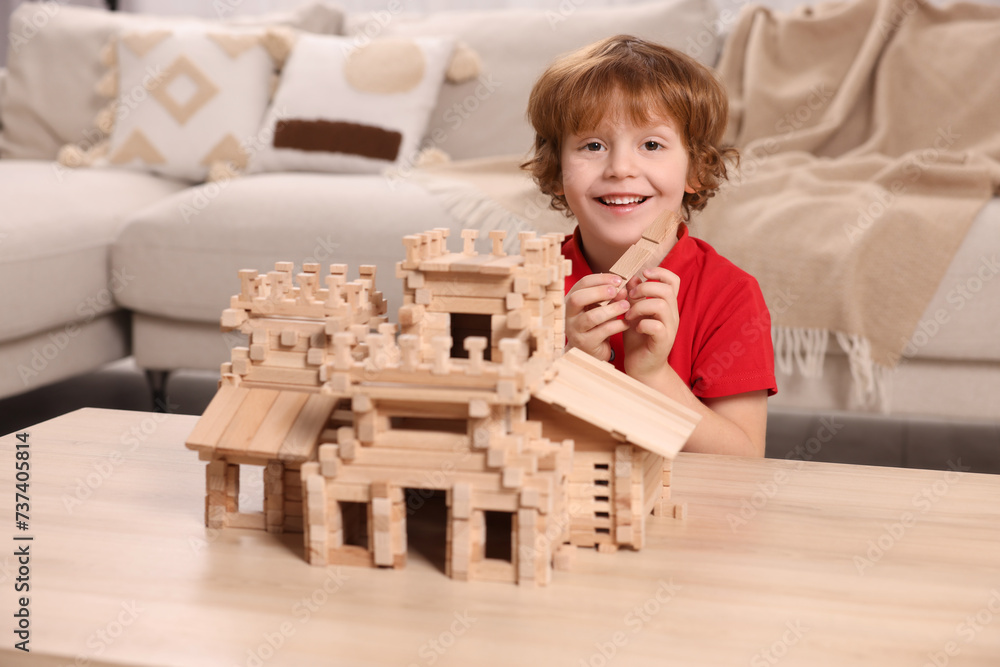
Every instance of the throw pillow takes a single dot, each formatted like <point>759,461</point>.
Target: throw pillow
<point>187,99</point>
<point>53,64</point>
<point>346,105</point>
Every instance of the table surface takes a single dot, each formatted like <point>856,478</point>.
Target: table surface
<point>777,562</point>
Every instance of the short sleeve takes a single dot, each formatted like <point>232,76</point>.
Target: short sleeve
<point>735,354</point>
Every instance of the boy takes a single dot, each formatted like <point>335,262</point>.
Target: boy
<point>624,130</point>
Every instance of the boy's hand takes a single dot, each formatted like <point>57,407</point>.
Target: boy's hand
<point>588,324</point>
<point>652,322</point>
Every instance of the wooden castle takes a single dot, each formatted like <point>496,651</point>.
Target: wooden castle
<point>470,394</point>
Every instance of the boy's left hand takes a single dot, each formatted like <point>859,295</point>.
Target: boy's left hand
<point>652,321</point>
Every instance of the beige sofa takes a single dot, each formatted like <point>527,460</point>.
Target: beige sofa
<point>109,263</point>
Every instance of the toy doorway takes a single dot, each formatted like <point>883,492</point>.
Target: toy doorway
<point>427,525</point>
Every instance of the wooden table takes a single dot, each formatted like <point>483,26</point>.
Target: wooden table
<point>778,562</point>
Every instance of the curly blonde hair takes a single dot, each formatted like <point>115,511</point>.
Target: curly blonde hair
<point>638,80</point>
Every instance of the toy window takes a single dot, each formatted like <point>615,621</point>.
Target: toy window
<point>464,325</point>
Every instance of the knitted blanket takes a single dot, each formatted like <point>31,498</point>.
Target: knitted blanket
<point>870,139</point>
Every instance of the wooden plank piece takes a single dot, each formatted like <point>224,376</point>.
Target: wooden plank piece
<point>216,418</point>
<point>308,425</point>
<point>283,413</point>
<point>247,420</point>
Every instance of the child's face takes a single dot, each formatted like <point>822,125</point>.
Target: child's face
<point>619,177</point>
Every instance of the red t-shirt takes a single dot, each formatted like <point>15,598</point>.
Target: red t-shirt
<point>723,343</point>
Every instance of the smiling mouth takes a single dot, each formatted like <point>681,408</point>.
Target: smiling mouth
<point>621,200</point>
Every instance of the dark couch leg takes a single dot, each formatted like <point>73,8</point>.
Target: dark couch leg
<point>157,381</point>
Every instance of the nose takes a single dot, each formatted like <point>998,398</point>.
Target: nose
<point>621,163</point>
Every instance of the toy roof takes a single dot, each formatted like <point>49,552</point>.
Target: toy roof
<point>597,393</point>
<point>286,424</point>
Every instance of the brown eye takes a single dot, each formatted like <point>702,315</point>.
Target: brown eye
<point>652,145</point>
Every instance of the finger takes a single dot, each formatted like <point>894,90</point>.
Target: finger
<point>595,317</point>
<point>589,298</point>
<point>651,327</point>
<point>606,330</point>
<point>593,340</point>
<point>651,309</point>
<point>666,276</point>
<point>596,279</point>
<point>633,282</point>
<point>654,290</point>
<point>591,294</point>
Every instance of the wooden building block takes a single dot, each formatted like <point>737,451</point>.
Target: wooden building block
<point>478,409</point>
<point>459,550</point>
<point>513,478</point>
<point>531,497</point>
<point>415,280</point>
<point>361,404</point>
<point>461,500</point>
<point>274,496</point>
<point>381,531</point>
<point>441,364</point>
<point>346,442</point>
<point>469,237</point>
<point>477,538</point>
<point>524,536</point>
<point>496,457</point>
<point>497,236</point>
<point>651,248</point>
<point>475,346</point>
<point>329,460</point>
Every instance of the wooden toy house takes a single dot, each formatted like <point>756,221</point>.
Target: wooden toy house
<point>472,396</point>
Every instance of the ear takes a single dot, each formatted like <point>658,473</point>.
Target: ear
<point>559,190</point>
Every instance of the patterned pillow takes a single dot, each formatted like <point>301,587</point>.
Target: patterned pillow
<point>187,99</point>
<point>352,105</point>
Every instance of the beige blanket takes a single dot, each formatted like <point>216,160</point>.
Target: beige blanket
<point>870,139</point>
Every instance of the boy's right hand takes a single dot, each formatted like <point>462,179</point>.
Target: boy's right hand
<point>589,325</point>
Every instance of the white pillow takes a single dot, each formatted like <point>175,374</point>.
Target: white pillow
<point>352,105</point>
<point>188,97</point>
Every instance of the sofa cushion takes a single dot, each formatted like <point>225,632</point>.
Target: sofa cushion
<point>185,251</point>
<point>485,116</point>
<point>350,108</point>
<point>45,357</point>
<point>55,233</point>
<point>54,66</point>
<point>962,320</point>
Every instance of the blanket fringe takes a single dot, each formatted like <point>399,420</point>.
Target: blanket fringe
<point>803,350</point>
<point>869,381</point>
<point>800,348</point>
